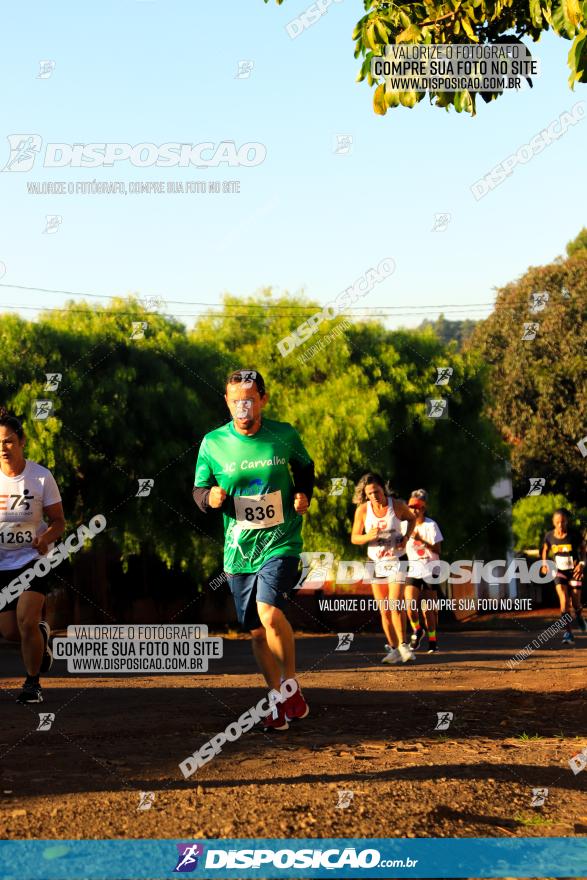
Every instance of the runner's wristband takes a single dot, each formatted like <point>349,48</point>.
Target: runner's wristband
<point>303,478</point>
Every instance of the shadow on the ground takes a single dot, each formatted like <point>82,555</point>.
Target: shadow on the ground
<point>111,737</point>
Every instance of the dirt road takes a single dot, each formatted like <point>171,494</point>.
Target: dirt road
<point>371,732</point>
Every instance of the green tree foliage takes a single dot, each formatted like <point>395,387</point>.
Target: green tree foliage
<point>578,244</point>
<point>532,518</point>
<point>125,410</point>
<point>130,409</point>
<point>359,404</point>
<point>537,389</point>
<point>457,460</point>
<point>449,331</point>
<point>463,21</point>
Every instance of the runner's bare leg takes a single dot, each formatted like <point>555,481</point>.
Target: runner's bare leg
<point>412,597</point>
<point>430,615</point>
<point>398,617</point>
<point>381,593</point>
<point>280,637</point>
<point>28,615</point>
<point>8,626</point>
<point>265,659</point>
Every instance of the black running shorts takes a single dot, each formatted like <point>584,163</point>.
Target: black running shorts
<point>40,585</point>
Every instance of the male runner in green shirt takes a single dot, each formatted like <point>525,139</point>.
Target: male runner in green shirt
<point>243,470</point>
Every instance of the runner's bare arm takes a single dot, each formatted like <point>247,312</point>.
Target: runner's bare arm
<point>56,520</point>
<point>544,556</point>
<point>358,535</point>
<point>404,513</point>
<point>435,548</point>
<point>578,572</point>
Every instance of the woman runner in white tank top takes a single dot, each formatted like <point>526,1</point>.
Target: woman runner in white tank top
<point>377,523</point>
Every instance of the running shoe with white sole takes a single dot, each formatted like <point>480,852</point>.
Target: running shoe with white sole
<point>406,653</point>
<point>568,638</point>
<point>31,691</point>
<point>47,661</point>
<point>393,657</point>
<point>416,638</point>
<point>275,722</point>
<point>296,707</point>
<point>432,647</point>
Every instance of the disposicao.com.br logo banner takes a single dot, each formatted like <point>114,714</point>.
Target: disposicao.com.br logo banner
<point>25,148</point>
<point>282,856</point>
<point>301,858</point>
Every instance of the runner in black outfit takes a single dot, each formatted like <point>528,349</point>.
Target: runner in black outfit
<point>566,548</point>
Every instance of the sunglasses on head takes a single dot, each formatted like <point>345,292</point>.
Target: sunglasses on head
<point>245,376</point>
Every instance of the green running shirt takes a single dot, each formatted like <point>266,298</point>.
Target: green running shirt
<point>254,471</point>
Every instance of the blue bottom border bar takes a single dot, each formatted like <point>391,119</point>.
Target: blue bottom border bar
<point>535,857</point>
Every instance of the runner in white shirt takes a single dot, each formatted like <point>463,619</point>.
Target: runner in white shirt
<point>378,522</point>
<point>31,519</point>
<point>423,550</point>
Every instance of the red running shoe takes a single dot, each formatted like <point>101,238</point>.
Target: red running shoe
<point>296,707</point>
<point>279,722</point>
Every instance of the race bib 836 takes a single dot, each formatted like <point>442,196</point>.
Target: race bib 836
<point>259,511</point>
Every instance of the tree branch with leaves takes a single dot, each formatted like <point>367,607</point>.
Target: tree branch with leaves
<point>462,21</point>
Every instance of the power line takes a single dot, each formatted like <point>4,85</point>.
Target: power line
<point>265,306</point>
<point>274,310</point>
<point>422,313</point>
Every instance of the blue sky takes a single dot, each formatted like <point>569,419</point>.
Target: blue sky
<point>306,218</point>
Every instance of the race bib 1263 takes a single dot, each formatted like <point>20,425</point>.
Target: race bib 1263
<point>15,535</point>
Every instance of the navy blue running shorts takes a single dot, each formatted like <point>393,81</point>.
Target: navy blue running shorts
<point>272,584</point>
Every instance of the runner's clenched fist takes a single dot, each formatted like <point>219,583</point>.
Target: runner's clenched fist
<point>300,503</point>
<point>217,496</point>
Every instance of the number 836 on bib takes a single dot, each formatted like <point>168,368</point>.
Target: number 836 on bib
<point>259,511</point>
